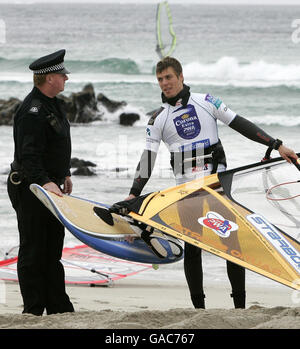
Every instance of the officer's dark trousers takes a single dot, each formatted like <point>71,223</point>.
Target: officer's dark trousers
<point>194,276</point>
<point>40,272</point>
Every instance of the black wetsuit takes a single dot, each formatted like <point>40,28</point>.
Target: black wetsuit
<point>42,154</point>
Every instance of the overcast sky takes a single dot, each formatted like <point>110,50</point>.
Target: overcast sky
<point>238,2</point>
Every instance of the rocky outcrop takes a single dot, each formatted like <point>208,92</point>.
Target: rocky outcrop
<point>82,167</point>
<point>109,104</point>
<point>7,110</point>
<point>75,162</point>
<point>79,107</point>
<point>83,171</point>
<point>128,119</point>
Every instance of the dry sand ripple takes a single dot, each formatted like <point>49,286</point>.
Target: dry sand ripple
<point>255,317</point>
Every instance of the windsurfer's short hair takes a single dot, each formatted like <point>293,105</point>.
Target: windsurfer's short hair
<point>167,62</point>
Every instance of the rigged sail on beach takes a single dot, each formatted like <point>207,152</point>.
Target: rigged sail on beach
<point>165,35</point>
<point>83,265</point>
<point>230,214</point>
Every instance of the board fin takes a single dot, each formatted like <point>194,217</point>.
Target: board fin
<point>104,214</point>
<point>158,248</point>
<point>154,245</point>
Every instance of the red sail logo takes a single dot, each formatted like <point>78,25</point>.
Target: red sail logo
<point>221,226</point>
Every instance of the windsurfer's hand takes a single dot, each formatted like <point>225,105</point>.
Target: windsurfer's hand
<point>130,239</point>
<point>131,196</point>
<point>287,153</point>
<point>53,188</point>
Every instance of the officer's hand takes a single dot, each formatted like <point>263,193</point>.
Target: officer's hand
<point>53,188</point>
<point>68,186</point>
<point>131,196</point>
<point>287,153</point>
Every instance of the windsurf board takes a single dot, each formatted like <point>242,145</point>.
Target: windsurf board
<point>78,216</point>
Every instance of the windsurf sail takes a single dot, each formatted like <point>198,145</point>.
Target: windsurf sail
<point>165,35</point>
<point>272,189</point>
<point>230,215</point>
<point>83,265</point>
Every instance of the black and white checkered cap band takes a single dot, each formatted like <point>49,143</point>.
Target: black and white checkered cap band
<point>52,69</point>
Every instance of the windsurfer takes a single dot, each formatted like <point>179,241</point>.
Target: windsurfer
<point>187,124</point>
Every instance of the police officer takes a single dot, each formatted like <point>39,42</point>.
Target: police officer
<point>42,155</point>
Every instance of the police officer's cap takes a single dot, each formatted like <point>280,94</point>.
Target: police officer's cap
<point>53,63</point>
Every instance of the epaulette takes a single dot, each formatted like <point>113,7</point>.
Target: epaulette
<point>154,115</point>
<point>35,106</point>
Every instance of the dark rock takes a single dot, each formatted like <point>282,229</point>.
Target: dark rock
<point>83,171</point>
<point>7,110</point>
<point>84,106</point>
<point>109,104</point>
<point>82,167</point>
<point>121,169</point>
<point>128,119</point>
<point>117,169</point>
<point>75,162</point>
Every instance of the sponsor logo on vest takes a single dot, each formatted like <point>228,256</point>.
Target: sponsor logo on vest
<point>213,100</point>
<point>187,124</point>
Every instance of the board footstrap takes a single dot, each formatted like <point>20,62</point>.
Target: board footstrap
<point>144,231</point>
<point>104,214</point>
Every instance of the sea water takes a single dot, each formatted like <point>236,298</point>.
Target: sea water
<point>248,56</point>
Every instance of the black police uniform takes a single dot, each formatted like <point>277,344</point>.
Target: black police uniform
<point>42,155</point>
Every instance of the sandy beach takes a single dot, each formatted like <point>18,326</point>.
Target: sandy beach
<point>137,303</point>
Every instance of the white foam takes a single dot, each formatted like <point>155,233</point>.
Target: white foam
<point>229,71</point>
